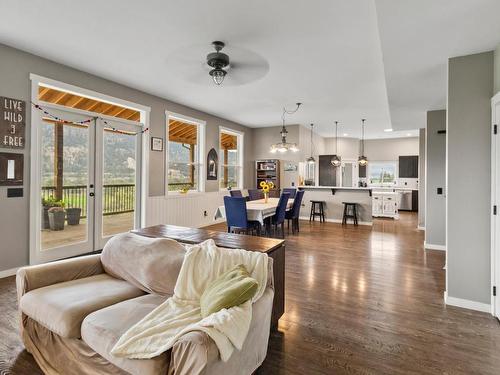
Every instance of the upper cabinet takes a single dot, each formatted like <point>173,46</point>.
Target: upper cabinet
<point>408,166</point>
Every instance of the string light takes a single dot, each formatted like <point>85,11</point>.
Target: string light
<point>85,122</point>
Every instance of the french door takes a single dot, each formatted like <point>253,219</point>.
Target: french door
<point>88,183</point>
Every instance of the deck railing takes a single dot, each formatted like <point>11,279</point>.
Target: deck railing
<point>118,198</point>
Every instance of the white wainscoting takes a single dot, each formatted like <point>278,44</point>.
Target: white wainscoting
<point>184,210</point>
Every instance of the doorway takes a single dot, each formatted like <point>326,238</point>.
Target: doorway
<point>495,198</point>
<point>88,180</point>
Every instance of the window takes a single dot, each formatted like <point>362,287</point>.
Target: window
<point>382,172</point>
<point>230,159</point>
<point>183,155</point>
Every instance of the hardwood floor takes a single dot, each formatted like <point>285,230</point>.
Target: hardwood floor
<point>359,300</point>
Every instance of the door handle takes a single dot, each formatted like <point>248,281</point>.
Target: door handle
<point>91,194</point>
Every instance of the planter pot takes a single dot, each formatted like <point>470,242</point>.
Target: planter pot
<point>56,220</point>
<point>45,217</point>
<point>73,215</point>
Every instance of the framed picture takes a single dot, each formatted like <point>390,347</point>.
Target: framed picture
<point>11,169</point>
<point>156,144</point>
<point>212,165</point>
<point>290,167</point>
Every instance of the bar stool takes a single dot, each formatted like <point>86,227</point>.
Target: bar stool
<point>350,212</point>
<point>317,212</point>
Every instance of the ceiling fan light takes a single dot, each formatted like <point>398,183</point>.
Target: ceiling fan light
<point>218,75</point>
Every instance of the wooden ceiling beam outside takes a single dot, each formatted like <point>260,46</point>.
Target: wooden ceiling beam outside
<point>67,99</point>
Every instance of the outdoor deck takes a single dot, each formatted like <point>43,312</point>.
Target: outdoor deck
<point>113,224</point>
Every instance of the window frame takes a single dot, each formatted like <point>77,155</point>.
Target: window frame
<point>240,151</point>
<point>396,172</point>
<point>199,159</point>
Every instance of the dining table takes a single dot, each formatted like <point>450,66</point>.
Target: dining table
<point>257,210</point>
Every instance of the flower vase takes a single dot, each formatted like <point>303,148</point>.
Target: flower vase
<point>266,197</point>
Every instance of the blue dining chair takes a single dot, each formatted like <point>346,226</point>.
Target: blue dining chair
<point>294,213</point>
<point>236,216</point>
<point>279,217</point>
<point>236,193</point>
<point>292,192</point>
<point>254,194</point>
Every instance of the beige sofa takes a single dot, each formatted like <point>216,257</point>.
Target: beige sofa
<point>73,312</point>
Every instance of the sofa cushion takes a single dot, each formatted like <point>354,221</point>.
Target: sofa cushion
<point>62,307</point>
<point>102,329</point>
<point>157,261</point>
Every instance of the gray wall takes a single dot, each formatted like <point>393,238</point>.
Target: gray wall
<point>435,205</point>
<point>390,149</point>
<point>15,68</point>
<point>421,178</point>
<point>496,72</point>
<point>470,88</point>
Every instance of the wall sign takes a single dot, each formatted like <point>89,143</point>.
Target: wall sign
<point>11,169</point>
<point>12,122</point>
<point>212,165</point>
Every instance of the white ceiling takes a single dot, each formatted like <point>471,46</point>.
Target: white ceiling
<point>324,53</point>
<point>418,37</point>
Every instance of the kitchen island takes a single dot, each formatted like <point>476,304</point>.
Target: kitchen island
<point>333,196</point>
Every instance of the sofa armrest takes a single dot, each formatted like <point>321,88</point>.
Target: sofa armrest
<point>39,276</point>
<point>192,354</point>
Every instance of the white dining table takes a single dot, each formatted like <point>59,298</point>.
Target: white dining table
<point>257,210</point>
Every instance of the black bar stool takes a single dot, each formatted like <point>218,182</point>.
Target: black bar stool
<point>350,212</point>
<point>317,212</point>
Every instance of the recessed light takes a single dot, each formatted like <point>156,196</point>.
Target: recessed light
<point>345,134</point>
<point>408,134</point>
<point>388,130</point>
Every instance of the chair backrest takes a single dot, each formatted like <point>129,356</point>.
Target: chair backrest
<point>255,194</point>
<point>236,193</point>
<point>274,193</point>
<point>297,203</point>
<point>279,216</point>
<point>236,212</point>
<point>292,192</point>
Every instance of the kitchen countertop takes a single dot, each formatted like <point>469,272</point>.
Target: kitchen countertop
<point>386,188</point>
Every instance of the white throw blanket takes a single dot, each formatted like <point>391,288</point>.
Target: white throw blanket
<point>158,331</point>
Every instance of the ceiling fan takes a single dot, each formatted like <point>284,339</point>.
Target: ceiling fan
<point>235,66</point>
<point>218,61</point>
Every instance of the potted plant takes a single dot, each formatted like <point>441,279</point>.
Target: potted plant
<point>57,216</point>
<point>48,203</point>
<point>73,215</point>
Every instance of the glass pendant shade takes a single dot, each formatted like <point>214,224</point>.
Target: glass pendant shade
<point>335,161</point>
<point>363,160</point>
<point>218,75</point>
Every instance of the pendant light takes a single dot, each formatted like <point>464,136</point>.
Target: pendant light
<point>310,159</point>
<point>363,160</point>
<point>285,146</point>
<point>310,164</point>
<point>336,158</point>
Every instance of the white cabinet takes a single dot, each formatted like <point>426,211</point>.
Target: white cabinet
<point>385,204</point>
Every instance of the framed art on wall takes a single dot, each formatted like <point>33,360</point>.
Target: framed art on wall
<point>212,165</point>
<point>11,169</point>
<point>156,144</point>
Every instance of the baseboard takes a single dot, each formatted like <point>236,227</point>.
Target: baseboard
<point>420,228</point>
<point>430,246</point>
<point>467,304</point>
<point>339,221</point>
<point>8,273</point>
